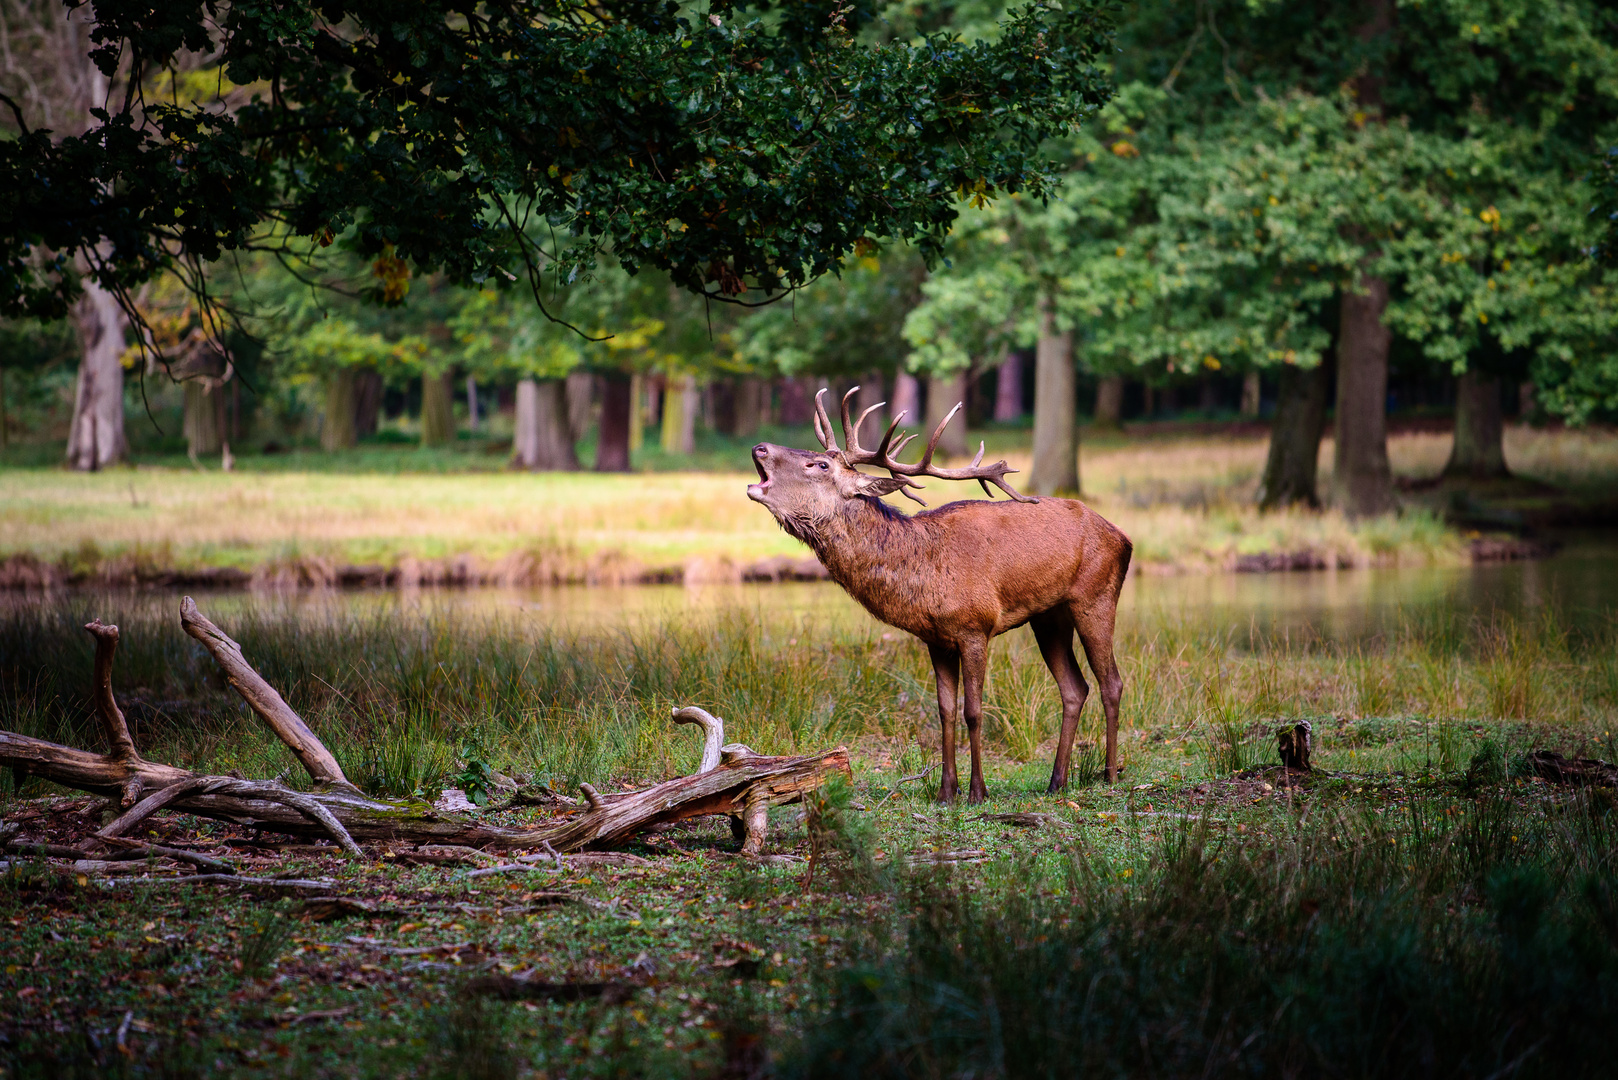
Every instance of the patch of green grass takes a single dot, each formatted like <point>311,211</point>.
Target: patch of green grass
<point>1420,906</point>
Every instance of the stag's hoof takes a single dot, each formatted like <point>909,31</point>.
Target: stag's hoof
<point>975,797</point>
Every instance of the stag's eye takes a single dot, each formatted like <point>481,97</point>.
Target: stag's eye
<point>821,465</point>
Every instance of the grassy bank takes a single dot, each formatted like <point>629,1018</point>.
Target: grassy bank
<point>1186,500</point>
<point>1420,907</point>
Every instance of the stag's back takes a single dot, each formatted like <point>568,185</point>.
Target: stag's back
<point>980,567</point>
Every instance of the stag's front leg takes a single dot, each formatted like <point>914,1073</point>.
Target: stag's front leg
<point>974,669</point>
<point>946,673</point>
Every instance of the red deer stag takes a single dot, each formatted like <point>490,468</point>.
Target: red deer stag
<point>958,576</point>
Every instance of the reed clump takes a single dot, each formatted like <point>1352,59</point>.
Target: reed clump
<point>1440,938</point>
<point>399,690</point>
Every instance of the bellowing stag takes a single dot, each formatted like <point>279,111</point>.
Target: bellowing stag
<point>958,576</point>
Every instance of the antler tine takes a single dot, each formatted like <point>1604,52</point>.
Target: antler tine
<point>938,433</point>
<point>851,435</point>
<point>978,460</point>
<point>823,423</point>
<point>904,441</point>
<point>881,450</point>
<point>854,435</point>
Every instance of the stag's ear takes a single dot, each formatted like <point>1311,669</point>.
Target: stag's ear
<point>858,483</point>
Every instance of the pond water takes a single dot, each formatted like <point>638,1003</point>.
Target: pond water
<point>1577,588</point>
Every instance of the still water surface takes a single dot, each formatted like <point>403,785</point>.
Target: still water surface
<point>1577,588</point>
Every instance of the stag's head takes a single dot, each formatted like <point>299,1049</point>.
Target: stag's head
<point>803,488</point>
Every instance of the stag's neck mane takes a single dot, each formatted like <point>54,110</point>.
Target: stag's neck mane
<point>891,582</point>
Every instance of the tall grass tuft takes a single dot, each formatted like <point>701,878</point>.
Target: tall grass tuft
<point>1449,939</point>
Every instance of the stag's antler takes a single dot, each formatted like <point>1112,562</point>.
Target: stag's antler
<point>885,453</point>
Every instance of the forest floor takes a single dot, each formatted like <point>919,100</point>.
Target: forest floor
<point>1422,904</point>
<point>390,513</point>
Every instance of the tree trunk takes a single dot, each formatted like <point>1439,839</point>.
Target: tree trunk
<point>906,396</point>
<point>680,403</point>
<point>1008,389</point>
<point>581,392</point>
<point>944,392</point>
<point>1362,477</point>
<point>542,439</point>
<point>637,412</point>
<point>368,390</point>
<point>752,405</point>
<point>1300,421</point>
<point>96,436</point>
<point>437,412</point>
<point>471,403</point>
<point>204,422</point>
<point>337,429</point>
<point>1110,402</point>
<point>797,403</point>
<point>1252,395</point>
<point>725,394</point>
<point>1056,432</point>
<point>617,405</point>
<point>1479,451</point>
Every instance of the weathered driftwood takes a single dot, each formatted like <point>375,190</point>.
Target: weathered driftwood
<point>742,784</point>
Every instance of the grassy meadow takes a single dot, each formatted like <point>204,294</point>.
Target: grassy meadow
<point>1185,498</point>
<point>1420,906</point>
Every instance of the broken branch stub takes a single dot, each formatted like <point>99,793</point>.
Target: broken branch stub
<point>713,733</point>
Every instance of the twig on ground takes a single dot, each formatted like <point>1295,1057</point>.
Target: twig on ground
<point>903,780</point>
<point>233,880</point>
<point>140,848</point>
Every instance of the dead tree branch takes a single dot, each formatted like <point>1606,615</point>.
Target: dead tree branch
<point>737,782</point>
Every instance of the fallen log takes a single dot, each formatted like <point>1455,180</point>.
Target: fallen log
<point>743,785</point>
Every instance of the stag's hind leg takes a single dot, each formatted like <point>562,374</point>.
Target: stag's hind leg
<point>1095,631</point>
<point>1054,632</point>
<point>946,673</point>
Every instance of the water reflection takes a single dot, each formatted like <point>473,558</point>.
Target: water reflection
<point>1578,588</point>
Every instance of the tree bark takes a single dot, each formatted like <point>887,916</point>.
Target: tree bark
<point>906,396</point>
<point>542,439</point>
<point>1362,476</point>
<point>437,411</point>
<point>368,390</point>
<point>204,422</point>
<point>1479,451</point>
<point>1056,432</point>
<point>944,392</point>
<point>680,405</point>
<point>471,403</point>
<point>581,389</point>
<point>726,394</point>
<point>1252,395</point>
<point>338,428</point>
<point>1300,421</point>
<point>1110,402</point>
<point>612,445</point>
<point>797,402</point>
<point>752,406</point>
<point>1008,389</point>
<point>96,435</point>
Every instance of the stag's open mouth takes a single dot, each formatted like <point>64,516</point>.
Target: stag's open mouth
<point>756,491</point>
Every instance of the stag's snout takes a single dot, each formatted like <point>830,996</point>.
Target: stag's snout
<point>763,455</point>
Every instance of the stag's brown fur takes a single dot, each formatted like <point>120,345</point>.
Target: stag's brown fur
<point>957,577</point>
